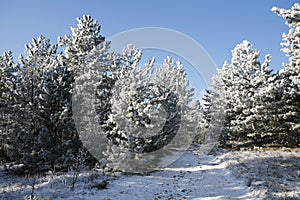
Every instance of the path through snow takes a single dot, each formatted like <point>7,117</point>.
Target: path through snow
<point>190,177</point>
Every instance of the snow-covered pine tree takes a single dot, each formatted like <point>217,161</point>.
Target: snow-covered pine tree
<point>259,124</point>
<point>127,119</point>
<point>85,37</point>
<point>7,87</point>
<point>7,70</point>
<point>171,81</point>
<point>85,52</point>
<point>290,92</point>
<point>214,105</point>
<point>291,41</point>
<point>32,116</point>
<point>204,114</point>
<point>53,98</point>
<point>147,114</point>
<point>90,102</point>
<point>244,64</point>
<point>238,83</point>
<point>119,65</point>
<point>279,111</point>
<point>201,126</point>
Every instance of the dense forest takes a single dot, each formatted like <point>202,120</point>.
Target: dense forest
<point>246,105</point>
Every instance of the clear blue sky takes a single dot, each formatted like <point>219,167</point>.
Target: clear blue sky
<point>217,25</point>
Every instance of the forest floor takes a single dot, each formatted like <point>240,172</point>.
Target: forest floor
<point>245,175</point>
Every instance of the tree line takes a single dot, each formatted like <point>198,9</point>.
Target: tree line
<point>246,104</point>
<point>258,107</point>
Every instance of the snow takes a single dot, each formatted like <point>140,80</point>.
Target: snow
<point>270,173</point>
<point>226,175</point>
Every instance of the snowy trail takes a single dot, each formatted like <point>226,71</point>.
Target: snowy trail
<point>188,178</point>
<point>196,179</point>
<point>230,175</point>
<point>209,181</point>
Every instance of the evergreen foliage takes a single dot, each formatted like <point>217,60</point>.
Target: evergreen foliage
<point>140,109</point>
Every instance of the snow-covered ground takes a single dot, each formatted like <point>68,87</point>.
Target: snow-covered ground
<point>227,175</point>
<point>271,174</point>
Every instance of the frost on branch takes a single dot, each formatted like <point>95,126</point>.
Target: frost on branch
<point>291,40</point>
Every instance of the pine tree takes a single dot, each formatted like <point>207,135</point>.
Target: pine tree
<point>290,79</point>
<point>147,115</point>
<point>31,117</point>
<point>84,47</point>
<point>7,96</point>
<point>291,41</point>
<point>244,66</point>
<point>220,106</point>
<point>201,123</point>
<point>6,77</point>
<point>171,80</point>
<point>85,53</point>
<point>91,94</point>
<point>230,104</point>
<point>259,124</point>
<point>85,37</point>
<point>281,111</point>
<point>215,102</point>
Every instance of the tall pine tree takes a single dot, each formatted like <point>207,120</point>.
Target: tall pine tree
<point>8,83</point>
<point>290,95</point>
